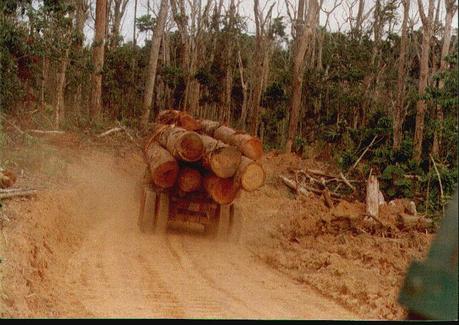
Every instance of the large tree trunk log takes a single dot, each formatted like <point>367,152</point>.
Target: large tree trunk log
<point>182,144</point>
<point>189,180</point>
<point>250,175</point>
<point>222,190</point>
<point>249,146</point>
<point>182,119</point>
<point>209,126</point>
<point>163,167</point>
<point>222,159</point>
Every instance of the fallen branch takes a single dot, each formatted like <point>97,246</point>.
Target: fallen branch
<point>18,193</point>
<point>305,189</point>
<point>439,181</point>
<point>47,131</point>
<point>346,181</point>
<point>113,130</point>
<point>294,186</point>
<point>364,152</point>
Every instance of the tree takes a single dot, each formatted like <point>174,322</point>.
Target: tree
<point>451,8</point>
<point>399,113</point>
<point>427,30</point>
<point>153,61</point>
<point>303,32</point>
<point>98,58</point>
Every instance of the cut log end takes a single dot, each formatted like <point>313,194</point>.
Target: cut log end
<point>190,147</point>
<point>222,190</point>
<point>165,174</point>
<point>250,175</point>
<point>253,149</point>
<point>225,162</point>
<point>253,178</point>
<point>189,180</point>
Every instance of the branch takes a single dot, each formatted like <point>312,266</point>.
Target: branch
<point>19,192</point>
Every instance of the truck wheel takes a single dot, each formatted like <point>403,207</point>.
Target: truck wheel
<point>147,209</point>
<point>219,227</point>
<point>235,224</point>
<point>162,213</point>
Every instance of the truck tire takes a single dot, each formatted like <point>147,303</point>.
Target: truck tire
<point>235,224</point>
<point>147,209</point>
<point>219,226</point>
<point>162,213</point>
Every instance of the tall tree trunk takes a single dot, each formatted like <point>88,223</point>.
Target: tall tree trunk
<point>81,15</point>
<point>59,109</point>
<point>153,62</point>
<point>44,82</point>
<point>98,59</point>
<point>304,32</point>
<point>399,111</point>
<point>427,28</point>
<point>118,13</point>
<point>451,8</point>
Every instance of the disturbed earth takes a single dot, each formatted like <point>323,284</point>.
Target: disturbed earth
<point>75,249</point>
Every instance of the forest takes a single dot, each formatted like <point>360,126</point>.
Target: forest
<point>349,77</point>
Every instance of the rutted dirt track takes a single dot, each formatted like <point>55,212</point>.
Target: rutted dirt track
<point>76,251</point>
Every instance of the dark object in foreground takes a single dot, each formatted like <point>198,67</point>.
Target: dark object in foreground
<point>430,287</point>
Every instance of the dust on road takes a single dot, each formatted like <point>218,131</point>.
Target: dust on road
<point>77,252</point>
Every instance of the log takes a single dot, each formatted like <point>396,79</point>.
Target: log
<point>18,193</point>
<point>163,167</point>
<point>222,159</point>
<point>189,180</point>
<point>209,127</point>
<point>373,197</point>
<point>221,190</point>
<point>182,144</point>
<point>294,186</point>
<point>250,175</point>
<point>178,118</point>
<point>250,146</point>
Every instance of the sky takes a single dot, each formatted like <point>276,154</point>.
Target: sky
<point>337,19</point>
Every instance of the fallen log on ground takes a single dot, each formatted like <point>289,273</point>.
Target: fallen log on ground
<point>221,190</point>
<point>178,118</point>
<point>189,180</point>
<point>8,195</point>
<point>182,144</point>
<point>250,175</point>
<point>163,167</point>
<point>222,159</point>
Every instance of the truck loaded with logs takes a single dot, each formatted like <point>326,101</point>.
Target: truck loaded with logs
<point>195,172</point>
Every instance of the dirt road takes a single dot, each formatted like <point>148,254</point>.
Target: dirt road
<point>84,256</point>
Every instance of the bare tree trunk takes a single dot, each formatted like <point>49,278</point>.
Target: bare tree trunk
<point>59,109</point>
<point>44,81</point>
<point>399,113</point>
<point>152,64</point>
<point>98,59</point>
<point>118,13</point>
<point>81,15</point>
<point>423,78</point>
<point>304,32</point>
<point>451,8</point>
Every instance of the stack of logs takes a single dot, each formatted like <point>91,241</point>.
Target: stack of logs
<point>187,155</point>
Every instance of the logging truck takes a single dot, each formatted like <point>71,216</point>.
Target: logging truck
<point>158,207</point>
<point>195,171</point>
